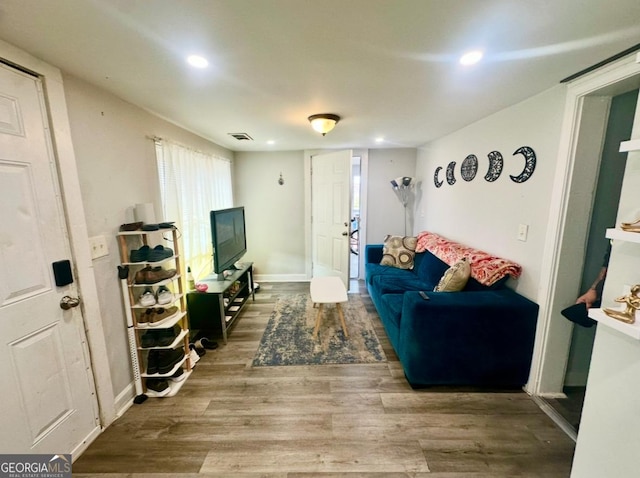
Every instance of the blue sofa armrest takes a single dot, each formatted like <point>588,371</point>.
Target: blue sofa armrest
<point>373,253</point>
<point>467,338</point>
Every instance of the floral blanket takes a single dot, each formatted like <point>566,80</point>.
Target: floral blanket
<point>485,268</point>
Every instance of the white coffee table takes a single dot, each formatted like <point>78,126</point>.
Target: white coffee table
<point>328,290</point>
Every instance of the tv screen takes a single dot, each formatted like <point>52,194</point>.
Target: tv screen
<point>229,239</point>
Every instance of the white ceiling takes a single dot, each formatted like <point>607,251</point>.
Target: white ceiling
<point>387,67</point>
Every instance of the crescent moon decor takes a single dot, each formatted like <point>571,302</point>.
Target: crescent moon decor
<point>451,180</point>
<point>469,167</point>
<point>529,166</point>
<point>496,162</point>
<point>436,181</point>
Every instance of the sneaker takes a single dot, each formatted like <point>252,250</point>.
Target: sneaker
<point>147,299</point>
<point>167,359</point>
<point>157,384</point>
<point>164,296</point>
<point>159,253</point>
<point>178,376</point>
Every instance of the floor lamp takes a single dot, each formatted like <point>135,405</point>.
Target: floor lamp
<point>402,186</point>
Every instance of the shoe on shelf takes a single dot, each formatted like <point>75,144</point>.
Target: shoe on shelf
<point>140,255</point>
<point>167,359</point>
<point>178,376</point>
<point>157,384</point>
<point>145,316</point>
<point>161,314</point>
<point>152,275</point>
<point>149,339</point>
<point>164,296</point>
<point>159,253</point>
<point>147,298</point>
<point>165,337</point>
<point>152,362</point>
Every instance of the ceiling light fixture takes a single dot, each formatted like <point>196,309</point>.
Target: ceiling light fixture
<point>471,57</point>
<point>323,123</point>
<point>197,61</point>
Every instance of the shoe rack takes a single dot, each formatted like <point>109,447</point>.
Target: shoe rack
<point>158,333</point>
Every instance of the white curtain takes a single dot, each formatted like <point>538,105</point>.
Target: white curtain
<point>192,184</point>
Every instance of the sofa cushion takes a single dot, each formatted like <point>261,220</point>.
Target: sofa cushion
<point>429,268</point>
<point>455,278</point>
<point>399,251</point>
<point>399,283</point>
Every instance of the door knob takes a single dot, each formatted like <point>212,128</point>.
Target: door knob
<point>67,302</point>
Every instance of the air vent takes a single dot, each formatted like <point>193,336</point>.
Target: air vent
<point>241,136</point>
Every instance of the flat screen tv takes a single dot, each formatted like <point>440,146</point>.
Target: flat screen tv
<point>229,238</point>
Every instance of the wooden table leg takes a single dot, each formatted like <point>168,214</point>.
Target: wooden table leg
<point>318,320</point>
<point>344,325</point>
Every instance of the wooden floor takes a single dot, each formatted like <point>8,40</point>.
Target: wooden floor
<point>231,420</point>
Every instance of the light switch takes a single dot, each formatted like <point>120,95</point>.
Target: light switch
<point>98,246</point>
<point>523,230</point>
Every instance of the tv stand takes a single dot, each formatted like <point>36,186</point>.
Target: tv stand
<point>215,311</point>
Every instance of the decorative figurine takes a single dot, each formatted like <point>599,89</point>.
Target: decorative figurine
<point>632,300</point>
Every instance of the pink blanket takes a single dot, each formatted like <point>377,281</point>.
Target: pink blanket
<point>485,268</point>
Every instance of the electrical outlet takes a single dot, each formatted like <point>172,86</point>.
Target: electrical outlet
<point>98,246</point>
<point>523,230</point>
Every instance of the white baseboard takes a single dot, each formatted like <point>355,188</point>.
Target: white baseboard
<point>124,399</point>
<point>281,278</point>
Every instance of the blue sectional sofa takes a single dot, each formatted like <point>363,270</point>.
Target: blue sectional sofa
<point>480,336</point>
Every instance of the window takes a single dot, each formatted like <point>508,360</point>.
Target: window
<point>192,184</point>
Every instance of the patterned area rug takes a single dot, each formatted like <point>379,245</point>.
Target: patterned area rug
<point>288,338</point>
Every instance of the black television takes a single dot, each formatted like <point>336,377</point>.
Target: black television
<point>229,238</point>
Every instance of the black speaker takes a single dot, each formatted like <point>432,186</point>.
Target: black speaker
<point>62,272</point>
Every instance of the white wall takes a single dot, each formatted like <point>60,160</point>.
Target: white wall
<point>385,214</point>
<point>116,168</point>
<point>486,215</point>
<point>274,213</point>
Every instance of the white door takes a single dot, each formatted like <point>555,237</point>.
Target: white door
<point>330,208</point>
<point>47,399</point>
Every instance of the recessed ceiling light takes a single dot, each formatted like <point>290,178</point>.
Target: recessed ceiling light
<point>197,61</point>
<point>471,57</point>
<point>379,140</point>
<point>271,142</point>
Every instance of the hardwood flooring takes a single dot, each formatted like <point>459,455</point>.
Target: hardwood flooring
<point>232,420</point>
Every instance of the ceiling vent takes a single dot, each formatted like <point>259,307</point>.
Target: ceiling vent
<point>241,136</point>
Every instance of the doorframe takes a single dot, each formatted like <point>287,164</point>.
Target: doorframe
<point>75,223</point>
<point>607,81</point>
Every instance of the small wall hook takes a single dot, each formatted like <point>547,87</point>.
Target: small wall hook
<point>281,180</point>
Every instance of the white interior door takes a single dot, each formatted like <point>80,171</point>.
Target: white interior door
<point>47,401</point>
<point>330,209</point>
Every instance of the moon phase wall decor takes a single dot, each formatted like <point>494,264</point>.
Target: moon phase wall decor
<point>451,179</point>
<point>495,166</point>
<point>469,167</point>
<point>529,164</point>
<point>436,181</point>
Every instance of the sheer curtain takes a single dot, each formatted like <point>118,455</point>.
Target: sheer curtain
<point>193,183</point>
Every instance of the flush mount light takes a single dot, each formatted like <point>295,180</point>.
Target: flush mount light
<point>471,57</point>
<point>197,61</point>
<point>323,123</point>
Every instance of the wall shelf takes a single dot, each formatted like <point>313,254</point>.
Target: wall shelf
<point>632,330</point>
<point>623,235</point>
<point>631,145</point>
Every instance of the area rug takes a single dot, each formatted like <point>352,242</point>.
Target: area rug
<point>288,338</point>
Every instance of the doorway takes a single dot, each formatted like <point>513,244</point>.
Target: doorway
<point>354,234</point>
<point>603,215</point>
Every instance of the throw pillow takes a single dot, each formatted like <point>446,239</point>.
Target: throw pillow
<point>399,251</point>
<point>455,278</point>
